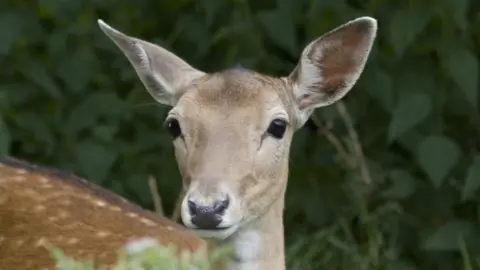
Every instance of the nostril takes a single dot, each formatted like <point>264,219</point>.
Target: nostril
<point>192,207</point>
<point>207,217</point>
<point>220,206</point>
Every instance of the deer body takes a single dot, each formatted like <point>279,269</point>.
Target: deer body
<point>41,206</point>
<point>232,130</point>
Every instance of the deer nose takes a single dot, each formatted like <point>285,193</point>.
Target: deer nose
<point>207,217</point>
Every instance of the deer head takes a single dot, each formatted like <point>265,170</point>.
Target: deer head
<point>232,129</point>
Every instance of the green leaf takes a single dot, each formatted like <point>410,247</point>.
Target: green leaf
<point>379,85</point>
<point>437,155</point>
<point>105,132</point>
<point>95,160</point>
<point>405,25</point>
<point>138,185</point>
<point>400,264</point>
<point>61,10</point>
<point>447,237</point>
<point>78,69</point>
<point>4,99</point>
<point>5,138</point>
<point>10,26</point>
<point>458,11</point>
<point>462,65</point>
<point>96,105</point>
<point>402,185</point>
<point>211,8</point>
<point>38,74</point>
<point>280,29</point>
<point>196,32</point>
<point>411,110</point>
<point>472,182</point>
<point>37,126</point>
<point>14,95</point>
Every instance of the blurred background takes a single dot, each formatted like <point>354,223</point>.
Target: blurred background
<point>387,179</point>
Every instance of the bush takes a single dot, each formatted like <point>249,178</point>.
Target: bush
<point>146,253</point>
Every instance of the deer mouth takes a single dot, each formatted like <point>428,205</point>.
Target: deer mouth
<point>217,233</point>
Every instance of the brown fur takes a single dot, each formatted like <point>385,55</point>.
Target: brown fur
<point>39,205</point>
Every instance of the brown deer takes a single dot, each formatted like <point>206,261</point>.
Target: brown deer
<point>232,131</point>
<point>40,206</point>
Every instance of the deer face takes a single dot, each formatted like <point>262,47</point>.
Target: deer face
<point>232,129</point>
<point>232,132</point>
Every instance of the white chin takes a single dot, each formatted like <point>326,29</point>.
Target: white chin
<point>217,234</point>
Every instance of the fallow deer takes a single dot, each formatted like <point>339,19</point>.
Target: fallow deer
<point>232,131</point>
<point>40,206</point>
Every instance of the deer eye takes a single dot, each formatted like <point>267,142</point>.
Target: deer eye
<point>277,128</point>
<point>173,127</point>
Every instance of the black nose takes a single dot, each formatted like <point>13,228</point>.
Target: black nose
<point>207,217</point>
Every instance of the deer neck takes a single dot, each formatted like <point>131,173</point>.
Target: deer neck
<point>258,245</point>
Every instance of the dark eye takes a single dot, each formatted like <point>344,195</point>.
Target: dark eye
<point>277,128</point>
<point>173,127</point>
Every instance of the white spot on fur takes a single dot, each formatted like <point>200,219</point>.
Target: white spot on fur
<point>43,180</point>
<point>65,202</point>
<point>63,214</point>
<point>19,178</point>
<point>3,198</point>
<point>147,222</point>
<point>60,239</point>
<point>39,208</point>
<point>247,246</point>
<point>116,208</point>
<point>72,241</point>
<point>100,203</point>
<point>30,193</point>
<point>103,255</point>
<point>102,234</point>
<point>21,171</point>
<point>47,186</point>
<point>132,215</point>
<point>41,242</point>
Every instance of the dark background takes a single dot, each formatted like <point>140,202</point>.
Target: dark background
<point>70,99</point>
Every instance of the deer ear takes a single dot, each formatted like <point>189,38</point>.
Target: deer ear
<point>330,65</point>
<point>163,73</point>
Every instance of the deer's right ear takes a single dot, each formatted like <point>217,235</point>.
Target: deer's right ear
<point>163,73</point>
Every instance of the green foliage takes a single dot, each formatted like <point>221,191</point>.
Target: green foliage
<point>70,99</point>
<point>145,254</point>
<point>411,110</point>
<point>472,181</point>
<point>462,65</point>
<point>448,236</point>
<point>437,156</point>
<point>4,138</point>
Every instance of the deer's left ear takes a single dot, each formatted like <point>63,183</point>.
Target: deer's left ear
<point>330,65</point>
